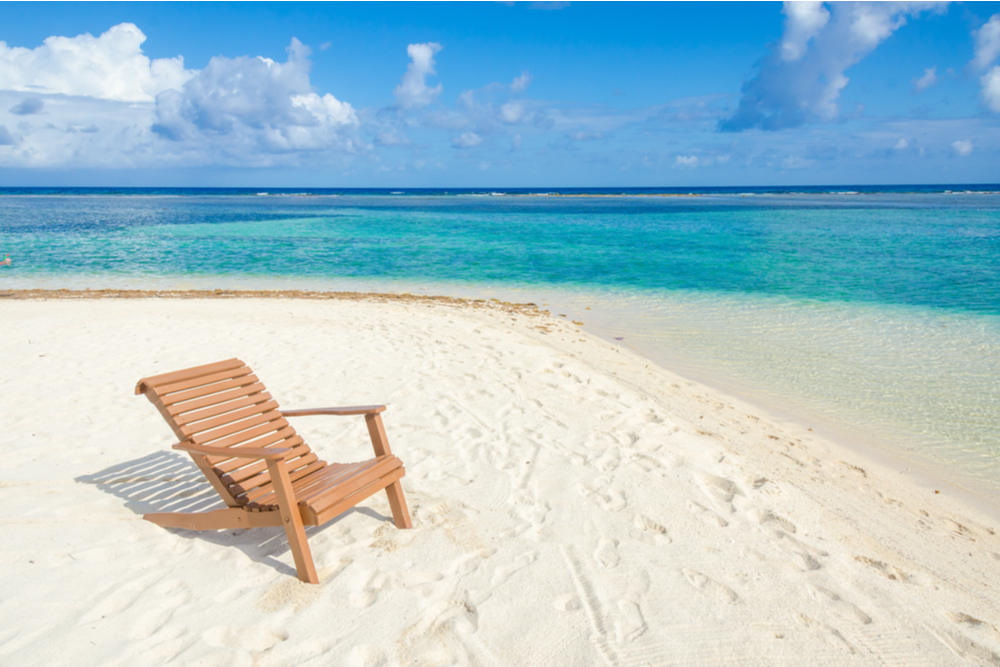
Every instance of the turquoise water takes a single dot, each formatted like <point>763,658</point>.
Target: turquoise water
<point>877,313</point>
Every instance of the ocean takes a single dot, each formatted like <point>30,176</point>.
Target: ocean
<point>870,312</point>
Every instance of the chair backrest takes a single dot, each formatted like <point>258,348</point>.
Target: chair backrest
<point>225,405</point>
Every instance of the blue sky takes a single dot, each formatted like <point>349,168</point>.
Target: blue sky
<point>499,94</point>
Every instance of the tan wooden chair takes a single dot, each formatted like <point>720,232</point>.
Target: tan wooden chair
<point>263,470</point>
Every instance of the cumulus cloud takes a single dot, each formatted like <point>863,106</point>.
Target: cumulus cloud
<point>686,161</point>
<point>987,51</point>
<point>110,67</point>
<point>987,43</point>
<point>5,138</point>
<point>413,92</point>
<point>801,79</point>
<point>27,107</point>
<point>805,20</point>
<point>254,102</point>
<point>991,89</point>
<point>926,81</point>
<point>521,83</point>
<point>467,140</point>
<point>512,112</point>
<point>962,147</point>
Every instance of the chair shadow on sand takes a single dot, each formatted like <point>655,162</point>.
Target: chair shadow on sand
<point>170,482</point>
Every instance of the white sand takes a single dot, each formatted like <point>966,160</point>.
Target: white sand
<point>572,503</point>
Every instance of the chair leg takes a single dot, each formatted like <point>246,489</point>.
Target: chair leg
<point>292,519</point>
<point>400,514</point>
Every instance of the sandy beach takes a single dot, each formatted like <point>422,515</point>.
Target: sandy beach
<point>572,504</point>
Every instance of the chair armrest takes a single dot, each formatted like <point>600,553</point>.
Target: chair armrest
<point>339,412</point>
<point>277,453</point>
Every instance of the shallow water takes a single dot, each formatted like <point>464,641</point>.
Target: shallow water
<point>877,313</point>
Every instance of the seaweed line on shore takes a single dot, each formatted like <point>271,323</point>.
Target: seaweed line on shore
<point>529,309</point>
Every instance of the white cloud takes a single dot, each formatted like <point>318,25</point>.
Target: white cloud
<point>805,20</point>
<point>511,113</point>
<point>254,102</point>
<point>5,138</point>
<point>795,162</point>
<point>987,43</point>
<point>991,89</point>
<point>413,92</point>
<point>521,83</point>
<point>110,67</point>
<point>801,81</point>
<point>962,147</point>
<point>686,161</point>
<point>926,81</point>
<point>467,140</point>
<point>901,145</point>
<point>987,51</point>
<point>392,137</point>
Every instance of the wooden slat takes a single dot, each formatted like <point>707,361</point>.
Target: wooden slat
<point>261,436</point>
<point>258,487</point>
<point>262,496</point>
<point>205,424</point>
<point>201,389</point>
<point>190,383</point>
<point>237,425</point>
<point>332,469</point>
<point>337,412</point>
<point>321,484</point>
<point>341,506</point>
<point>292,518</point>
<point>227,465</point>
<point>319,495</point>
<point>241,475</point>
<point>154,381</point>
<point>215,399</point>
<point>191,417</point>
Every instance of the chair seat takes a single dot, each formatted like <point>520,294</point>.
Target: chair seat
<point>320,493</point>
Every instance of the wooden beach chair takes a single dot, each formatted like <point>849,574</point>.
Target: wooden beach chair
<point>265,472</point>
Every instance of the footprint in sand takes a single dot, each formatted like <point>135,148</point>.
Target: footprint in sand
<point>630,623</point>
<point>504,572</point>
<point>964,647</point>
<point>421,582</point>
<point>802,555</point>
<point>720,490</point>
<point>890,572</point>
<point>768,519</point>
<point>828,633</point>
<point>610,499</point>
<point>706,515</point>
<point>841,606</point>
<point>651,529</point>
<point>606,553</point>
<point>710,587</point>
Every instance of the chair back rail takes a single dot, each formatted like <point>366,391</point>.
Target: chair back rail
<point>225,405</point>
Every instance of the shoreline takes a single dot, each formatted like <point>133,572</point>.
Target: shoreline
<point>889,453</point>
<point>652,518</point>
